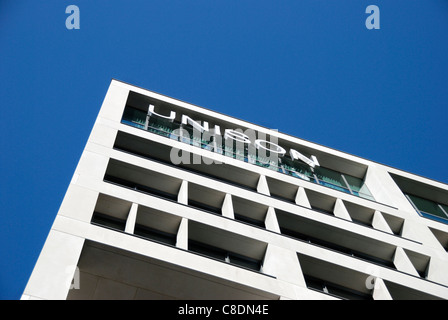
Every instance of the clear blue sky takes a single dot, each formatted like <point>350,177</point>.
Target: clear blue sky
<point>309,68</point>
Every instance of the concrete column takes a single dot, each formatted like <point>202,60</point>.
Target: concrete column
<point>283,264</point>
<point>55,268</point>
<point>402,262</point>
<point>340,210</point>
<point>79,203</point>
<point>182,234</point>
<point>112,107</point>
<point>302,199</point>
<point>262,186</point>
<point>182,196</point>
<point>380,223</point>
<point>270,221</point>
<point>227,207</point>
<point>132,217</point>
<point>380,291</point>
<point>102,135</point>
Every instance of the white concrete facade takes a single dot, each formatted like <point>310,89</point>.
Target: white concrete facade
<point>105,263</point>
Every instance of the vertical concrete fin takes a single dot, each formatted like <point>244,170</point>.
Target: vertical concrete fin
<point>227,207</point>
<point>341,211</point>
<point>182,234</point>
<point>302,198</point>
<point>380,223</point>
<point>182,196</point>
<point>403,263</point>
<point>132,217</point>
<point>380,291</point>
<point>270,221</point>
<point>262,186</point>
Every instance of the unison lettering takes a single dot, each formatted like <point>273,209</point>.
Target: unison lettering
<point>237,136</point>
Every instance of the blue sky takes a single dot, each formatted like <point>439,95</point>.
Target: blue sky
<point>309,68</point>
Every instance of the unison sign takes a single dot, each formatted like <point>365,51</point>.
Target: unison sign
<point>235,139</point>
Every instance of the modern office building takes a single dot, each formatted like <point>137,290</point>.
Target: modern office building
<point>173,201</point>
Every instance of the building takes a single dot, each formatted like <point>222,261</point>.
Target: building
<point>173,201</point>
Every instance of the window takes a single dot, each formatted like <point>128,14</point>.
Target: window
<point>142,180</point>
<point>205,198</point>
<point>429,209</point>
<point>297,169</point>
<point>336,290</point>
<point>333,279</point>
<point>342,182</point>
<point>224,255</point>
<point>332,179</point>
<point>134,117</point>
<point>138,187</point>
<point>108,221</point>
<point>323,176</point>
<point>162,127</point>
<point>337,247</point>
<point>251,221</point>
<point>154,234</point>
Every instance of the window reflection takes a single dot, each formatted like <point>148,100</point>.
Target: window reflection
<point>174,130</point>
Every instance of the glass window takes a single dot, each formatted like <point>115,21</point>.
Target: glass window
<point>322,176</point>
<point>224,255</point>
<point>134,117</point>
<point>358,187</point>
<point>426,207</point>
<point>249,220</point>
<point>154,234</point>
<point>355,184</point>
<point>207,250</point>
<point>334,289</point>
<point>331,179</point>
<point>160,126</point>
<point>296,169</point>
<point>244,261</point>
<point>445,208</point>
<point>204,206</point>
<point>108,221</point>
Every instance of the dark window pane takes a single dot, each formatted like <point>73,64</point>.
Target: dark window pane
<point>445,207</point>
<point>244,261</point>
<point>207,250</point>
<point>233,149</point>
<point>427,206</point>
<point>332,179</point>
<point>108,221</point>
<point>297,169</point>
<point>154,234</point>
<point>250,220</point>
<point>203,206</point>
<point>134,116</point>
<point>161,126</point>
<point>358,187</point>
